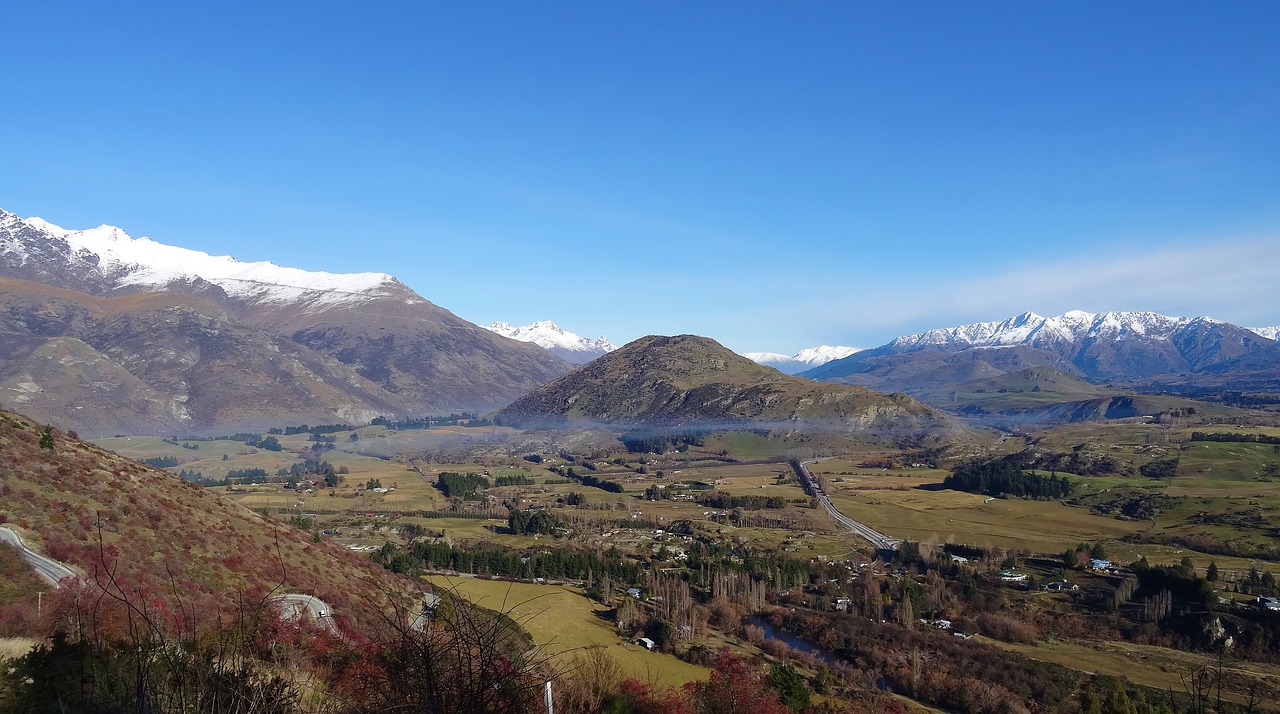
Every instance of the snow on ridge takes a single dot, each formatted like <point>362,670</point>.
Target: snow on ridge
<point>823,354</point>
<point>1032,329</point>
<point>807,358</point>
<point>768,357</point>
<point>553,338</point>
<point>1271,333</point>
<point>142,262</point>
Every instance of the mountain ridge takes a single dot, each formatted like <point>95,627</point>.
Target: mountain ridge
<point>805,359</point>
<point>564,344</point>
<point>331,347</point>
<point>1102,347</point>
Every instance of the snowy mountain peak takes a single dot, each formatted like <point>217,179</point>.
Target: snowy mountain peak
<point>141,263</point>
<point>822,354</point>
<point>807,358</point>
<point>1033,330</point>
<point>1271,333</point>
<point>564,344</point>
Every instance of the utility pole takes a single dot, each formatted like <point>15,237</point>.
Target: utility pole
<point>547,695</point>
<point>39,602</point>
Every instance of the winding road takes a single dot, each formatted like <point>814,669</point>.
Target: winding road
<point>317,609</point>
<point>867,533</point>
<point>47,568</point>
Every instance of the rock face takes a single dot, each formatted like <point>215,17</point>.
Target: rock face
<point>106,333</point>
<point>688,380</point>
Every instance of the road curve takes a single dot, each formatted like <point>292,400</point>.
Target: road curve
<point>867,533</point>
<point>51,570</point>
<point>317,609</point>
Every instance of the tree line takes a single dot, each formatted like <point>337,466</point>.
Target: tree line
<point>660,443</point>
<point>458,485</point>
<point>1004,478</point>
<point>1235,438</point>
<point>558,563</point>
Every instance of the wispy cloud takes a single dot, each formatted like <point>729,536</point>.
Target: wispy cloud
<point>1237,280</point>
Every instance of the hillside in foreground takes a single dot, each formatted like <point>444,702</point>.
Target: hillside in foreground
<point>112,518</point>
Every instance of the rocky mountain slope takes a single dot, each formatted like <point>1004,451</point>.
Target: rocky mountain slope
<point>694,381</point>
<point>801,361</point>
<point>104,332</point>
<point>566,345</point>
<point>1116,347</point>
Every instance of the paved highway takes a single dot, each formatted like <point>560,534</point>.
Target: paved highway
<point>47,568</point>
<point>869,534</point>
<point>318,609</point>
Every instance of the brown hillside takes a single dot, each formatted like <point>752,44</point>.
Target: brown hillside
<point>691,380</point>
<point>164,363</point>
<point>157,535</point>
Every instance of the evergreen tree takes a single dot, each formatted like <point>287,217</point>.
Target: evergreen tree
<point>46,438</point>
<point>1089,703</point>
<point>790,686</point>
<point>1117,702</point>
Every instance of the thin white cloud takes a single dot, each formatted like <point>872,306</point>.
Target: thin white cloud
<point>1236,280</point>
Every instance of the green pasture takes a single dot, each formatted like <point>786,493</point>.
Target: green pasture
<point>1213,463</point>
<point>563,621</point>
<point>1148,665</point>
<point>958,517</point>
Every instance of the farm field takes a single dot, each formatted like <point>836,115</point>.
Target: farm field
<point>958,517</point>
<point>1157,667</point>
<point>564,622</point>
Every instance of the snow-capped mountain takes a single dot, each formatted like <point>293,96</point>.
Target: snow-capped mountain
<point>549,336</point>
<point>107,333</point>
<point>110,259</point>
<point>1109,346</point>
<point>1271,333</point>
<point>1032,330</point>
<point>804,359</point>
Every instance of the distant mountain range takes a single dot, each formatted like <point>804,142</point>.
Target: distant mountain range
<point>805,359</point>
<point>103,332</point>
<point>556,340</point>
<point>1130,351</point>
<point>1271,333</point>
<point>693,381</point>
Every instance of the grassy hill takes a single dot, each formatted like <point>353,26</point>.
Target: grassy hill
<point>688,380</point>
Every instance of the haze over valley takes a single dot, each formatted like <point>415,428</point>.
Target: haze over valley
<point>639,359</point>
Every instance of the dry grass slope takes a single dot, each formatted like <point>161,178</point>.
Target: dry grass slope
<point>104,514</point>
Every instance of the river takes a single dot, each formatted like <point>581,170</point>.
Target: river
<point>795,643</point>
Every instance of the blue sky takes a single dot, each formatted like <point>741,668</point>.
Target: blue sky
<point>773,175</point>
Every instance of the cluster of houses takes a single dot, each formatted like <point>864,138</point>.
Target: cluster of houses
<point>1104,566</point>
